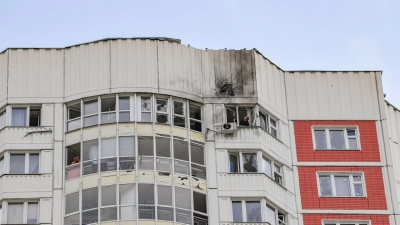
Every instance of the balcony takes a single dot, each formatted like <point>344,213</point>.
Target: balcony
<point>245,223</point>
<point>256,185</point>
<point>255,137</point>
<point>25,186</point>
<point>26,138</point>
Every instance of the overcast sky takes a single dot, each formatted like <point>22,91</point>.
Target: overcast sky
<point>296,35</point>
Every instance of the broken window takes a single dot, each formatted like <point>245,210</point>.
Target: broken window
<point>199,171</point>
<point>195,117</point>
<point>124,109</point>
<point>2,119</point>
<point>146,108</point>
<point>90,112</point>
<point>89,217</point>
<point>237,114</point>
<point>249,162</point>
<point>162,111</point>
<point>74,117</point>
<point>179,114</point>
<point>200,219</point>
<point>336,138</point>
<point>351,185</point>
<point>108,114</point>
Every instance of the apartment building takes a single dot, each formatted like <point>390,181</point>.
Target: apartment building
<point>152,132</point>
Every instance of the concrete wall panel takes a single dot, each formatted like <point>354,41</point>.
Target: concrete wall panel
<point>3,77</point>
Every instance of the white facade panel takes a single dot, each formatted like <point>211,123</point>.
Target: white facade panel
<point>332,95</point>
<point>26,138</point>
<point>271,87</point>
<point>35,73</point>
<point>134,64</point>
<point>3,77</point>
<point>45,210</point>
<point>46,161</point>
<point>87,69</point>
<point>25,186</point>
<point>47,115</point>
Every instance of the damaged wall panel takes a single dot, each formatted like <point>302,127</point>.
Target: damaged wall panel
<point>233,72</point>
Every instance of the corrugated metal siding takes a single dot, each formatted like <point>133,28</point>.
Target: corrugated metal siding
<point>333,96</point>
<point>231,66</point>
<point>133,64</point>
<point>180,68</point>
<point>87,68</point>
<point>271,87</point>
<point>3,77</point>
<point>35,73</point>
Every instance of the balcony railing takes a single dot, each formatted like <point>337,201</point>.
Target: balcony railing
<point>26,138</point>
<point>254,137</point>
<point>25,186</point>
<point>256,185</point>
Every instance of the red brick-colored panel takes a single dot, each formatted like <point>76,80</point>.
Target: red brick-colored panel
<point>316,219</point>
<point>375,200</point>
<point>368,139</point>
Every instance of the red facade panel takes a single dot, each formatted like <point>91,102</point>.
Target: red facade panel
<point>368,138</point>
<point>375,200</point>
<point>316,219</point>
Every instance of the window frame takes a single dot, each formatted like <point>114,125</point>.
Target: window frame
<point>268,125</point>
<point>344,222</point>
<point>28,118</point>
<point>345,129</point>
<point>130,110</point>
<point>24,210</point>
<point>84,116</point>
<point>108,112</point>
<point>26,162</point>
<point>351,181</point>
<point>249,109</point>
<point>184,109</point>
<point>240,154</point>
<point>263,210</point>
<point>140,111</point>
<point>274,172</point>
<point>193,119</point>
<point>80,118</point>
<point>167,113</point>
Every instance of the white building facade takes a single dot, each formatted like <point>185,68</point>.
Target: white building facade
<point>149,131</point>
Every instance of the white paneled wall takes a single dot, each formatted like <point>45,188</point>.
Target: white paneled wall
<point>3,77</point>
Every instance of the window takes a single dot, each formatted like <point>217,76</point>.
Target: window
<point>22,213</point>
<point>269,124</point>
<point>108,154</point>
<point>272,170</point>
<point>18,164</point>
<point>124,109</point>
<point>343,185</point>
<point>199,202</point>
<point>274,216</point>
<point>108,114</point>
<point>179,114</point>
<point>243,162</point>
<point>145,109</point>
<point>108,211</point>
<point>127,153</point>
<point>336,138</point>
<point>162,111</point>
<point>25,116</point>
<point>74,117</point>
<point>195,117</point>
<point>2,119</point>
<point>251,212</point>
<point>346,223</point>
<point>197,157</point>
<point>146,200</point>
<point>90,156</point>
<point>182,198</point>
<point>90,110</point>
<point>71,203</point>
<point>236,114</point>
<point>127,201</point>
<point>73,168</point>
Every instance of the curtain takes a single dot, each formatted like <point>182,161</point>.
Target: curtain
<point>18,117</point>
<point>17,164</point>
<point>34,163</point>
<point>93,153</point>
<point>14,213</point>
<point>32,213</point>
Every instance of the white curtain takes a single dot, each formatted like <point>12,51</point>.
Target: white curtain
<point>108,147</point>
<point>32,213</point>
<point>93,153</point>
<point>18,117</point>
<point>127,194</point>
<point>34,163</point>
<point>14,213</point>
<point>17,164</point>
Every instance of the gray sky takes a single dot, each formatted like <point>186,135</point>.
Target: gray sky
<point>296,35</point>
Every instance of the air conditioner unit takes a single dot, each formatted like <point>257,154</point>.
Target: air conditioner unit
<point>228,128</point>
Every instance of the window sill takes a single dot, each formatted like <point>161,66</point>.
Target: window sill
<point>343,150</point>
<point>342,196</point>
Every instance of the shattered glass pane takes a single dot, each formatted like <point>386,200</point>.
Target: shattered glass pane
<point>146,104</point>
<point>249,162</point>
<point>325,185</point>
<point>162,105</point>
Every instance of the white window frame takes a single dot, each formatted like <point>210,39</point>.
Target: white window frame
<point>274,172</point>
<point>28,110</point>
<point>108,112</point>
<point>139,105</point>
<point>184,108</point>
<point>27,162</point>
<point>93,114</point>
<point>268,125</point>
<point>240,154</point>
<point>24,212</point>
<point>277,212</point>
<point>344,222</point>
<point>130,110</point>
<point>193,119</point>
<point>76,118</point>
<point>263,208</point>
<point>161,112</point>
<point>346,138</point>
<point>244,214</point>
<point>249,109</point>
<point>351,180</point>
